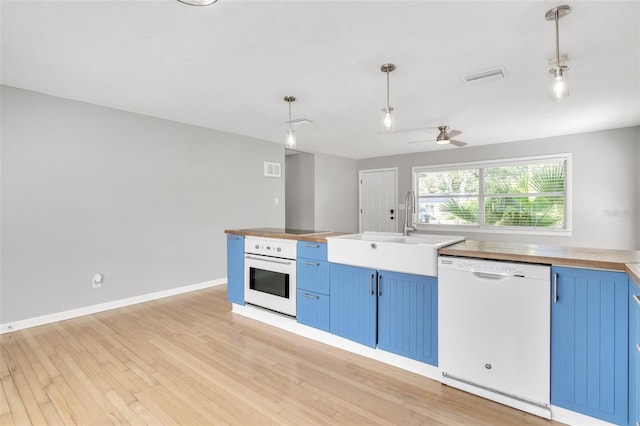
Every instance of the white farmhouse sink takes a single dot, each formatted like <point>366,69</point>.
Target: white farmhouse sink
<point>415,254</point>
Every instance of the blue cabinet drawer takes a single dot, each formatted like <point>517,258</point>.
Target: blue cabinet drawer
<point>310,250</point>
<point>313,275</point>
<point>313,309</point>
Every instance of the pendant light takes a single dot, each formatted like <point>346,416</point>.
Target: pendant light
<point>290,142</point>
<point>559,78</point>
<point>388,118</point>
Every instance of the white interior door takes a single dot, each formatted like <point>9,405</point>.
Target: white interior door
<point>379,200</point>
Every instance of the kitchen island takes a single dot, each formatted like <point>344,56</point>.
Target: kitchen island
<point>594,296</point>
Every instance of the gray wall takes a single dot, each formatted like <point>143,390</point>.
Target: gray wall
<point>144,201</point>
<point>336,195</point>
<point>605,181</point>
<point>300,184</point>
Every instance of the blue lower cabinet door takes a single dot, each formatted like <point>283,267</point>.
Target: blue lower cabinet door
<point>353,303</point>
<point>589,342</point>
<point>313,309</point>
<point>235,269</point>
<point>408,316</point>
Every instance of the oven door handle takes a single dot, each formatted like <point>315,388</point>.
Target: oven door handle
<point>261,259</point>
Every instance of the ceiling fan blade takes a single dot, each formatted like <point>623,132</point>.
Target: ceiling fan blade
<point>453,133</point>
<point>419,141</point>
<point>457,143</point>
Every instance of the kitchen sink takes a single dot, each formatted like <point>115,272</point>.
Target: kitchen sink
<point>414,254</point>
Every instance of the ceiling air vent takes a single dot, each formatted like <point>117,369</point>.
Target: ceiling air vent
<point>300,120</point>
<point>487,75</point>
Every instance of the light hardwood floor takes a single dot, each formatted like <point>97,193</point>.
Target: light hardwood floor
<point>188,360</point>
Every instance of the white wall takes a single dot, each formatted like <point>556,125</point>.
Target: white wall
<point>605,180</point>
<point>300,184</point>
<point>145,201</point>
<point>336,193</point>
<point>322,192</point>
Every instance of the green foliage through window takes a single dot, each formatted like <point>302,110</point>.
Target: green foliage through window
<point>521,194</point>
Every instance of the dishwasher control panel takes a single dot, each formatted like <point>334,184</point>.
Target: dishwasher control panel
<point>494,267</point>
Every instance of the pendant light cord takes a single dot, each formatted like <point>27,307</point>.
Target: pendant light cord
<point>388,106</point>
<point>557,39</point>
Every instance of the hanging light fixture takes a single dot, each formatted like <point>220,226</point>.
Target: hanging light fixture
<point>290,142</point>
<point>388,118</point>
<point>559,78</point>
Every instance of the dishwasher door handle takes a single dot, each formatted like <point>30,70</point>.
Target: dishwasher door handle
<point>491,275</point>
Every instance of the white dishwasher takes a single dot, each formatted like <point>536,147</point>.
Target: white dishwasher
<point>494,321</point>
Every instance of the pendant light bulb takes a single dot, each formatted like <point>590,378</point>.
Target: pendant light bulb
<point>559,81</point>
<point>290,141</point>
<point>559,84</point>
<point>388,120</point>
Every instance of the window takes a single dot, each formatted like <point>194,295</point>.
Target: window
<point>517,194</point>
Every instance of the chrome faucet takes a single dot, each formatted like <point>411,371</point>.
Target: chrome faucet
<point>409,209</point>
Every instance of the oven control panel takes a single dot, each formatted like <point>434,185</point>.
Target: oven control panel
<point>275,247</point>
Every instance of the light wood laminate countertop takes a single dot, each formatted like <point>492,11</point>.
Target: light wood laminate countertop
<point>317,237</point>
<point>617,260</point>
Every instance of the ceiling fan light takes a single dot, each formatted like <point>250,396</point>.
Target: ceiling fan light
<point>442,141</point>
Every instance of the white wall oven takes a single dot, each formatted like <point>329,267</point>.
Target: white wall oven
<point>270,274</point>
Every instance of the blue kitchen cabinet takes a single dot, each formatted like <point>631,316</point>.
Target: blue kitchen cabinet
<point>634,353</point>
<point>313,309</point>
<point>353,303</point>
<point>312,270</point>
<point>589,342</point>
<point>395,312</point>
<point>235,268</point>
<point>408,316</point>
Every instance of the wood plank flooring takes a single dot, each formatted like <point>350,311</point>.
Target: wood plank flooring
<point>187,360</point>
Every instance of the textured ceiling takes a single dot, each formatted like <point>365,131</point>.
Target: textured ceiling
<point>227,66</point>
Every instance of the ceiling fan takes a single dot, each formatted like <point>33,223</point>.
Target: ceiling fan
<point>444,137</point>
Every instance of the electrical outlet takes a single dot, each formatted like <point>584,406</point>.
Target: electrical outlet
<point>96,282</point>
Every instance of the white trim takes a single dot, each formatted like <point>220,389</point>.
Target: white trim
<point>92,309</point>
<point>569,417</point>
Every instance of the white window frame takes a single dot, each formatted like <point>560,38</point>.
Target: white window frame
<point>566,231</point>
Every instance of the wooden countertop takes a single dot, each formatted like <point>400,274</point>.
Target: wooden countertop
<point>617,260</point>
<point>316,237</point>
<point>633,269</point>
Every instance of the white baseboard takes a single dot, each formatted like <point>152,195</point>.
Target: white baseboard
<point>569,417</point>
<point>87,310</point>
